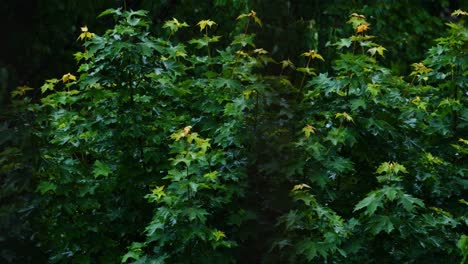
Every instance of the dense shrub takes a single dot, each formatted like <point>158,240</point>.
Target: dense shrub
<point>161,150</point>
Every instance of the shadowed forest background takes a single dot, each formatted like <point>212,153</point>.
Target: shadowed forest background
<point>233,131</point>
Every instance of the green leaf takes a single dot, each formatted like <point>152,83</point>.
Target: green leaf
<point>194,213</point>
<point>205,41</point>
<point>287,63</point>
<point>20,90</point>
<point>381,223</point>
<point>158,192</point>
<point>49,85</point>
<point>132,255</point>
<point>101,169</point>
<point>358,103</point>
<point>111,11</point>
<point>371,203</point>
<point>409,202</point>
<point>308,248</point>
<point>186,160</point>
<point>244,40</point>
<point>308,70</point>
<point>174,25</point>
<point>391,168</point>
<point>193,186</point>
<point>253,15</point>
<point>135,252</point>
<point>340,164</point>
<point>390,192</point>
<point>344,42</point>
<point>218,235</point>
<point>45,186</point>
<point>462,244</point>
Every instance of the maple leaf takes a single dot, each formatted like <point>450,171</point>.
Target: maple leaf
<point>416,100</point>
<point>85,34</point>
<point>313,55</point>
<point>253,15</point>
<point>357,20</point>
<point>308,70</point>
<point>68,77</point>
<point>287,63</point>
<point>159,192</point>
<point>459,12</point>
<point>260,51</point>
<point>49,85</point>
<point>379,50</point>
<point>218,234</point>
<point>391,167</point>
<point>101,169</point>
<point>205,23</point>
<point>345,116</point>
<point>300,187</point>
<point>309,130</point>
<point>419,69</point>
<point>242,53</point>
<point>174,25</point>
<point>363,27</point>
<point>20,90</point>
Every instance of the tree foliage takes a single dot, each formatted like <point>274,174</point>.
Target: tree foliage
<point>163,148</point>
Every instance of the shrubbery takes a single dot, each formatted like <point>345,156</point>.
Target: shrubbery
<point>160,150</point>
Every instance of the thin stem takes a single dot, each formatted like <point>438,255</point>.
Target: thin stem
<point>303,77</point>
<point>455,97</point>
<point>247,26</point>
<point>208,44</point>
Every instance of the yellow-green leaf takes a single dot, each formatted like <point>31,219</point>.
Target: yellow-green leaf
<point>308,70</point>
<point>49,85</point>
<point>300,187</point>
<point>391,167</point>
<point>260,51</point>
<point>344,116</point>
<point>85,34</point>
<point>218,234</point>
<point>211,176</point>
<point>459,12</point>
<point>287,63</point>
<point>205,23</point>
<point>68,77</point>
<point>158,192</point>
<point>313,55</point>
<point>253,15</point>
<point>309,130</point>
<point>20,90</point>
<point>379,50</point>
<point>243,15</point>
<point>174,25</point>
